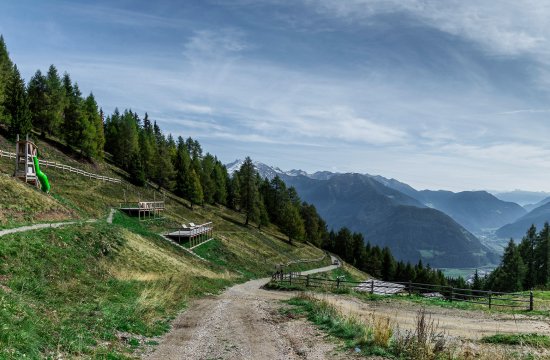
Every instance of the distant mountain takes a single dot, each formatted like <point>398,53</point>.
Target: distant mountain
<point>518,228</point>
<point>522,197</point>
<point>475,210</point>
<point>531,207</point>
<point>388,217</point>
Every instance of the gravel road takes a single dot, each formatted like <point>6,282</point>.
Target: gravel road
<point>244,323</point>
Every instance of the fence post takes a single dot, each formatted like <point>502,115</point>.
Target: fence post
<point>338,282</point>
<point>290,278</point>
<point>410,288</point>
<point>307,280</point>
<point>531,301</point>
<point>372,286</point>
<point>452,293</point>
<point>490,299</point>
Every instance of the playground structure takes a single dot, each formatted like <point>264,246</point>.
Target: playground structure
<point>27,167</point>
<point>143,209</point>
<point>193,234</point>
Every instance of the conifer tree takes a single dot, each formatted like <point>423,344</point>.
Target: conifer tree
<point>219,177</point>
<point>263,218</point>
<point>38,101</point>
<point>542,256</point>
<point>17,105</point>
<point>249,195</point>
<point>388,265</point>
<point>527,252</point>
<point>195,190</point>
<point>56,102</point>
<point>293,225</point>
<point>6,70</point>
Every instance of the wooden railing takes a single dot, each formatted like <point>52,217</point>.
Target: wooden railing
<point>64,167</point>
<point>492,299</point>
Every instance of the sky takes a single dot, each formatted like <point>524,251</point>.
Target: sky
<point>438,94</point>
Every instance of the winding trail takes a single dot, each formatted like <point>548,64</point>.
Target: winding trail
<point>244,323</point>
<point>42,226</point>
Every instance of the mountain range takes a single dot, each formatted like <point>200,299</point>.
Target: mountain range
<point>388,213</point>
<point>518,228</point>
<point>435,226</point>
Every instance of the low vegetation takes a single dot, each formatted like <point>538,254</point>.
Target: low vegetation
<point>378,335</point>
<point>535,340</point>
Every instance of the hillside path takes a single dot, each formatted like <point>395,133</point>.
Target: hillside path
<point>244,323</point>
<point>42,226</point>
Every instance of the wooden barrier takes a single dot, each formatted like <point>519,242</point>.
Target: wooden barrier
<point>492,299</point>
<point>68,168</point>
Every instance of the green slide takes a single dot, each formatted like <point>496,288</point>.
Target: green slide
<point>45,184</point>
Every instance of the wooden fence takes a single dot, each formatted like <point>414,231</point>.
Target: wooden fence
<point>490,298</point>
<point>66,168</point>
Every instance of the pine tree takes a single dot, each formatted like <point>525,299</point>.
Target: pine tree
<point>249,195</point>
<point>263,219</point>
<point>195,190</point>
<point>17,105</point>
<point>38,101</point>
<point>56,102</point>
<point>90,132</point>
<point>527,251</point>
<point>388,265</point>
<point>72,113</point>
<point>293,225</point>
<point>219,177</point>
<point>181,167</point>
<point>509,276</point>
<point>542,256</point>
<point>6,70</point>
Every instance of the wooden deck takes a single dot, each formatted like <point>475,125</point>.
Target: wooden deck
<point>194,234</point>
<point>143,209</point>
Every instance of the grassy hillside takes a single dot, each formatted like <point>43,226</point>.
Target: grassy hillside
<point>99,290</point>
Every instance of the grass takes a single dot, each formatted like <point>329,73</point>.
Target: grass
<point>21,204</point>
<point>72,291</point>
<point>351,330</point>
<point>95,290</point>
<point>535,340</point>
<point>379,336</point>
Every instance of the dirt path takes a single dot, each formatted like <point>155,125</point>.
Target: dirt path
<point>459,323</point>
<point>42,226</point>
<point>244,323</point>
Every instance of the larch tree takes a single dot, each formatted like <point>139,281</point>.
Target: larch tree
<point>17,105</point>
<point>55,92</point>
<point>38,101</point>
<point>6,70</point>
<point>249,195</point>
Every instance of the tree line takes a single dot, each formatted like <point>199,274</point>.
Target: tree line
<point>54,106</point>
<point>523,266</point>
<point>51,104</point>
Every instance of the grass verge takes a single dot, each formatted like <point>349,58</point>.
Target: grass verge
<point>536,340</point>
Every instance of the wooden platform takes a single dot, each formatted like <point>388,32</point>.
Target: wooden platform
<point>144,209</point>
<point>194,234</point>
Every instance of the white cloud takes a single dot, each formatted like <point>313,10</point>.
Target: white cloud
<point>502,28</point>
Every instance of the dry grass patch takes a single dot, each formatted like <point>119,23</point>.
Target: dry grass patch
<point>141,259</point>
<point>20,203</point>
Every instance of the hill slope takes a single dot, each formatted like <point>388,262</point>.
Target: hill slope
<point>518,228</point>
<point>388,217</point>
<point>475,210</point>
<point>99,290</point>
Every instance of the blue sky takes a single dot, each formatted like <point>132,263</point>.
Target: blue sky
<point>438,94</point>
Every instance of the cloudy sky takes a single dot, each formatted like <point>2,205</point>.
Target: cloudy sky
<point>438,94</point>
